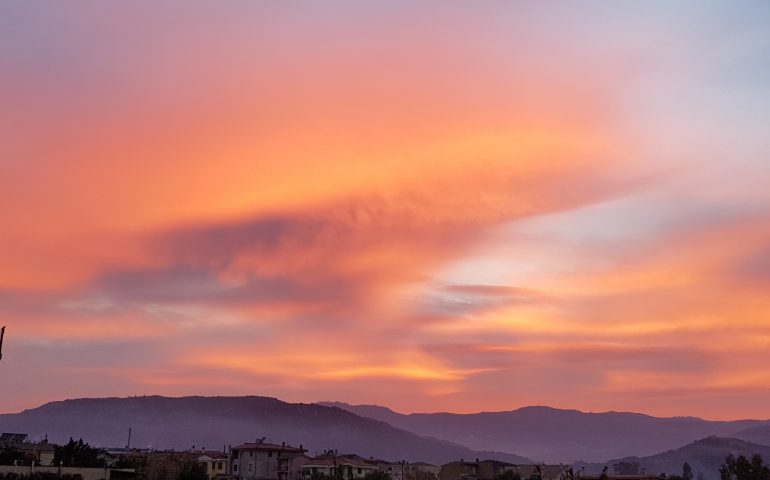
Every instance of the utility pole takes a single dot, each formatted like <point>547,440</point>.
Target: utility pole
<point>2,334</point>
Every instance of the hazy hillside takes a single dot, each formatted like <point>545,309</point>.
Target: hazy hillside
<point>704,456</point>
<point>213,422</point>
<point>555,435</point>
<point>760,435</point>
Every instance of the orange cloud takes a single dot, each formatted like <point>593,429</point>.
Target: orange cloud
<point>290,196</point>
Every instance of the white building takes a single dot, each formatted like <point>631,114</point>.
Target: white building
<point>216,463</point>
<point>263,461</point>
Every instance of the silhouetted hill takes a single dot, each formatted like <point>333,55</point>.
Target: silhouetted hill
<point>554,435</point>
<point>705,456</point>
<point>213,422</point>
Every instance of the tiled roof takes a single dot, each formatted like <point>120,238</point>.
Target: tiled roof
<point>262,446</point>
<point>499,463</point>
<point>215,455</point>
<point>40,447</point>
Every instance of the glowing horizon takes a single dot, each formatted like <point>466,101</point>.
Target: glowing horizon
<point>428,207</point>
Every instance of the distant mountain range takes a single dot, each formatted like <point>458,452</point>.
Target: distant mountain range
<point>554,436</point>
<point>533,433</point>
<point>213,422</point>
<point>705,456</point>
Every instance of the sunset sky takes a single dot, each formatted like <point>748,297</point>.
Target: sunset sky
<point>434,206</point>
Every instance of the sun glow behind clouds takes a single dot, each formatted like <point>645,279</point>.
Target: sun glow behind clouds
<point>347,201</point>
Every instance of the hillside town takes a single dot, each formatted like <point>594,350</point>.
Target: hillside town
<point>257,460</point>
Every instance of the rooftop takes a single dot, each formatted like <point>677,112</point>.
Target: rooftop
<point>272,447</point>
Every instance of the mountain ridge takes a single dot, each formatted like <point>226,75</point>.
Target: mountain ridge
<point>181,422</point>
<point>560,435</point>
<point>534,407</point>
<point>705,456</point>
<point>534,432</point>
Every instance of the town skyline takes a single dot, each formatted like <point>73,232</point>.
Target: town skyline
<point>432,207</point>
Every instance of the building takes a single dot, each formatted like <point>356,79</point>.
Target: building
<point>295,466</point>
<point>461,470</point>
<point>494,468</point>
<point>475,470</point>
<point>216,463</point>
<point>392,469</point>
<point>491,469</point>
<point>332,464</point>
<point>37,453</point>
<point>544,472</point>
<point>407,470</point>
<point>263,461</point>
<point>422,471</point>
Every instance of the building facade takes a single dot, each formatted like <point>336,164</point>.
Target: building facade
<point>263,461</point>
<point>331,464</point>
<point>217,464</point>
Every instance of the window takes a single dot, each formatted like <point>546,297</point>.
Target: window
<point>250,467</point>
<point>269,454</point>
<point>251,453</point>
<point>359,471</point>
<point>220,466</point>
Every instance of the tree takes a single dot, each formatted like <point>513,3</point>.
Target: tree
<point>741,468</point>
<point>317,476</point>
<point>9,455</point>
<point>77,454</point>
<point>508,475</point>
<point>377,475</point>
<point>137,462</point>
<point>687,471</point>
<point>604,475</point>
<point>537,474</point>
<point>569,474</point>
<point>192,470</point>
